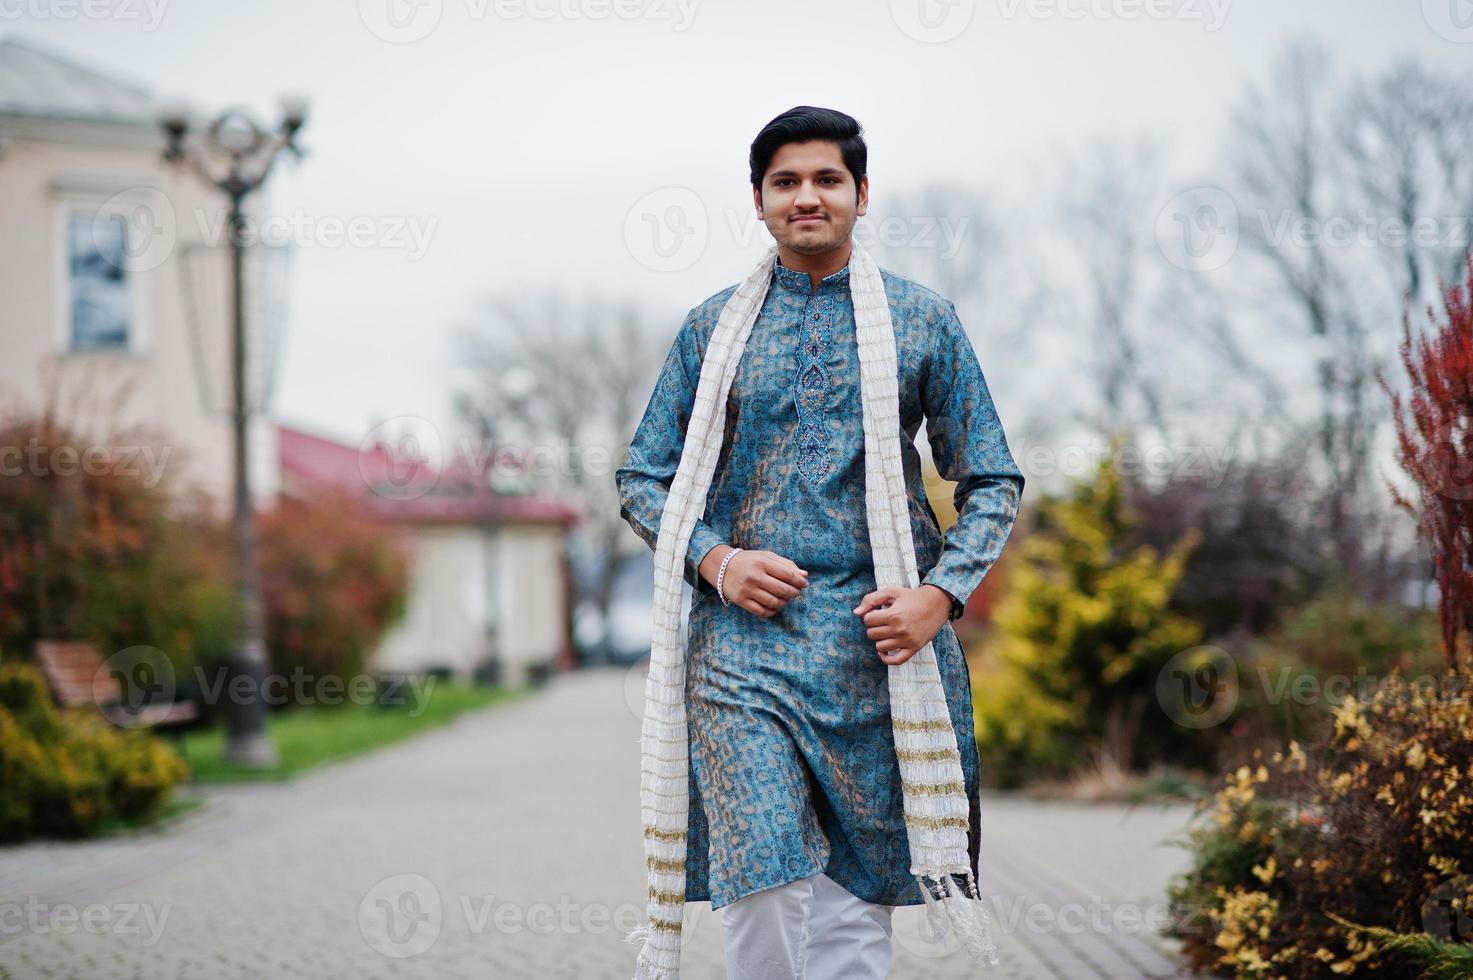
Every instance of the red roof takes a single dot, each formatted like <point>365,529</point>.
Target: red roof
<point>402,488</point>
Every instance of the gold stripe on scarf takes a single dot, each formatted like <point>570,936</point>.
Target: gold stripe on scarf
<point>665,925</point>
<point>936,823</point>
<point>933,725</point>
<point>933,789</point>
<point>927,755</point>
<point>650,830</point>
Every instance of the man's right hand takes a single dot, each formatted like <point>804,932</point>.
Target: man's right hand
<point>761,582</point>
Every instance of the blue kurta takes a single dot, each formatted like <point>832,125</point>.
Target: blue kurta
<point>792,757</point>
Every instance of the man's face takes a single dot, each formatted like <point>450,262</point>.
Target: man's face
<point>807,197</point>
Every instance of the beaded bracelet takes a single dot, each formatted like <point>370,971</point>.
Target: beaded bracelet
<point>721,575</point>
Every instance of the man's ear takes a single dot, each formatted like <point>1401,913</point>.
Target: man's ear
<point>757,200</point>
<point>863,196</point>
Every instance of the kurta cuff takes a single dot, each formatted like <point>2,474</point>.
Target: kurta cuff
<point>702,540</point>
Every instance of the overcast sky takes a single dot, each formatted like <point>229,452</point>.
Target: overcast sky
<point>486,145</point>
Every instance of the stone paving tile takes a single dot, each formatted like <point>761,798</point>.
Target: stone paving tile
<point>505,845</point>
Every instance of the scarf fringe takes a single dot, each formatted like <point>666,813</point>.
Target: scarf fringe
<point>959,914</point>
<point>643,968</point>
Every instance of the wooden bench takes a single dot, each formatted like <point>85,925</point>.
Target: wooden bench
<point>78,679</point>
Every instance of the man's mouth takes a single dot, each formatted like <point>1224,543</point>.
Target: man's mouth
<point>808,217</point>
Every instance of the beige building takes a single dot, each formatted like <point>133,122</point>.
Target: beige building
<point>113,298</point>
<point>96,235</point>
<point>489,581</point>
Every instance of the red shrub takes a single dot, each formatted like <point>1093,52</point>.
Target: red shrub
<point>1434,427</point>
<point>333,578</point>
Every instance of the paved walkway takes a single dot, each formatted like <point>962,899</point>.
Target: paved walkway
<point>508,845</point>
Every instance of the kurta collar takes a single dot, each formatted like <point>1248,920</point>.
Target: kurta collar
<point>798,282</point>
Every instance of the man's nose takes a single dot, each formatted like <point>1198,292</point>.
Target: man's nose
<point>807,196</point>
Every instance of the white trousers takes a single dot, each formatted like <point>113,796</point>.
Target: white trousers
<point>810,929</point>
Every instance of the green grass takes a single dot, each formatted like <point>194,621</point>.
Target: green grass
<point>1168,785</point>
<point>175,809</point>
<point>312,736</point>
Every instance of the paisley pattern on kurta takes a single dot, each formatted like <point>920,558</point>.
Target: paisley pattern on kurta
<point>792,756</point>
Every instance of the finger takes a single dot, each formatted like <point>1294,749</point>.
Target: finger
<point>757,609</point>
<point>897,657</point>
<point>767,599</point>
<point>778,587</point>
<point>878,617</point>
<point>875,599</point>
<point>790,574</point>
<point>881,633</point>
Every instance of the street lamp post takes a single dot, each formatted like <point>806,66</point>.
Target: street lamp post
<point>249,153</point>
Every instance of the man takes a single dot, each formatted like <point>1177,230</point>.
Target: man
<point>796,825</point>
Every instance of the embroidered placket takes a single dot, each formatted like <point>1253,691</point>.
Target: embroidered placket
<point>813,388</point>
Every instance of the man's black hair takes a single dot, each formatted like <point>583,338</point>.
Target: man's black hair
<point>803,123</point>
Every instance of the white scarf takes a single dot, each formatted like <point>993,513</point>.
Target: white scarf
<point>936,804</point>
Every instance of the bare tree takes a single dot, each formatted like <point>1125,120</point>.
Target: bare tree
<point>1107,200</point>
<point>944,235</point>
<point>1290,178</point>
<point>1405,136</point>
<point>563,382</point>
<point>1338,188</point>
<point>955,238</point>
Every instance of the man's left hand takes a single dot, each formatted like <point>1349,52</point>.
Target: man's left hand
<point>901,621</point>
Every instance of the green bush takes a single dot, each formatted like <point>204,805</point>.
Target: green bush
<point>1291,680</point>
<point>67,772</point>
<point>1080,634</point>
<point>1326,862</point>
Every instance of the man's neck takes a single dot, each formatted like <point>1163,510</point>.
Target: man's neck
<point>817,266</point>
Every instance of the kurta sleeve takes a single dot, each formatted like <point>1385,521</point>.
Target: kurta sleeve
<point>644,480</point>
<point>970,449</point>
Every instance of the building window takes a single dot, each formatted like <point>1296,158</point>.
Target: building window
<point>99,310</point>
